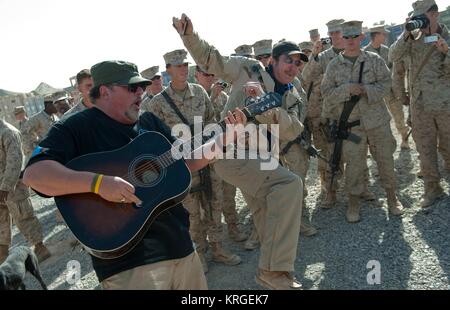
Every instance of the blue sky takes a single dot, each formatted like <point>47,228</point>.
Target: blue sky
<point>50,41</point>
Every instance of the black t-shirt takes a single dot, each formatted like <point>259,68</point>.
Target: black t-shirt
<point>92,131</point>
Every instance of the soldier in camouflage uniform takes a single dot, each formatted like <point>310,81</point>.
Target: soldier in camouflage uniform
<point>378,37</point>
<point>84,85</point>
<point>38,126</point>
<point>193,101</point>
<point>15,200</point>
<point>265,191</point>
<point>314,35</point>
<point>312,76</point>
<point>154,76</point>
<point>340,82</point>
<point>263,51</point>
<point>429,83</point>
<point>218,100</point>
<point>244,51</point>
<point>21,116</point>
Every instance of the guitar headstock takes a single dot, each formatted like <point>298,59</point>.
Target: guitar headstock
<point>259,105</point>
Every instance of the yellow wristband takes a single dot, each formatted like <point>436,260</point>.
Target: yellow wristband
<point>97,184</point>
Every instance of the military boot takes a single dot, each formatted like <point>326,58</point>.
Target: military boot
<point>433,191</point>
<point>220,255</point>
<point>235,234</point>
<point>202,257</point>
<point>394,205</point>
<point>330,200</point>
<point>367,195</point>
<point>277,280</point>
<point>307,229</point>
<point>4,251</point>
<point>41,252</point>
<point>252,242</point>
<point>353,209</point>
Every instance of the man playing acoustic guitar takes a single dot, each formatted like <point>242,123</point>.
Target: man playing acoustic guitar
<point>164,258</point>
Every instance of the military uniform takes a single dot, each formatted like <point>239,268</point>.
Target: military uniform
<point>312,76</point>
<point>18,204</point>
<point>371,110</point>
<point>35,129</point>
<point>430,101</point>
<point>394,105</point>
<point>77,108</point>
<point>194,102</point>
<point>266,192</point>
<point>244,51</point>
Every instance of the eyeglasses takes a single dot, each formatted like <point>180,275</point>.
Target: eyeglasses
<point>351,37</point>
<point>155,78</point>
<point>263,57</point>
<point>291,61</point>
<point>132,88</point>
<point>207,74</point>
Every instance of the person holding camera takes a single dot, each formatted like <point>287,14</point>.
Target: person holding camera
<point>362,78</point>
<point>378,37</point>
<point>426,43</point>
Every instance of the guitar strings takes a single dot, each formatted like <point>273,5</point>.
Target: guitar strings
<point>166,159</point>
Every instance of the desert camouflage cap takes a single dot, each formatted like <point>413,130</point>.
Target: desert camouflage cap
<point>314,32</point>
<point>244,50</point>
<point>422,6</point>
<point>380,29</point>
<point>352,28</point>
<point>151,72</point>
<point>263,47</point>
<point>19,109</point>
<point>306,46</point>
<point>335,25</point>
<point>175,58</point>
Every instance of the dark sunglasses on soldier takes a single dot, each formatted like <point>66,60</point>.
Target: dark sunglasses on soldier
<point>263,56</point>
<point>351,37</point>
<point>207,74</point>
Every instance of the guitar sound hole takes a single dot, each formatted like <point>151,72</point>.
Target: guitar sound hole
<point>147,172</point>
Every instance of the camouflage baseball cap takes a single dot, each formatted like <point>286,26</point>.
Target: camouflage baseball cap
<point>380,29</point>
<point>116,71</point>
<point>306,46</point>
<point>335,25</point>
<point>244,50</point>
<point>422,6</point>
<point>151,72</point>
<point>19,109</point>
<point>176,58</point>
<point>263,47</point>
<point>352,28</point>
<point>288,48</point>
<point>314,32</point>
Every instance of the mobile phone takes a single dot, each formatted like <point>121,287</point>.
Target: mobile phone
<point>431,39</point>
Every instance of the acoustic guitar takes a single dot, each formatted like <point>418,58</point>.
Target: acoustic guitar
<point>110,230</point>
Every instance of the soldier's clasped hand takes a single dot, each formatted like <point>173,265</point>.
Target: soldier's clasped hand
<point>183,25</point>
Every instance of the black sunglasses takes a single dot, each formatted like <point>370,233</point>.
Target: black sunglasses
<point>290,61</point>
<point>263,56</point>
<point>133,88</point>
<point>351,37</point>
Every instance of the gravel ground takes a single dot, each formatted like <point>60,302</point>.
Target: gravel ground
<point>413,251</point>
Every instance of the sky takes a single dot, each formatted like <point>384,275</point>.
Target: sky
<point>50,41</point>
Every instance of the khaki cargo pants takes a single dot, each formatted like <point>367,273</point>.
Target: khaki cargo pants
<point>179,274</point>
<point>275,199</point>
